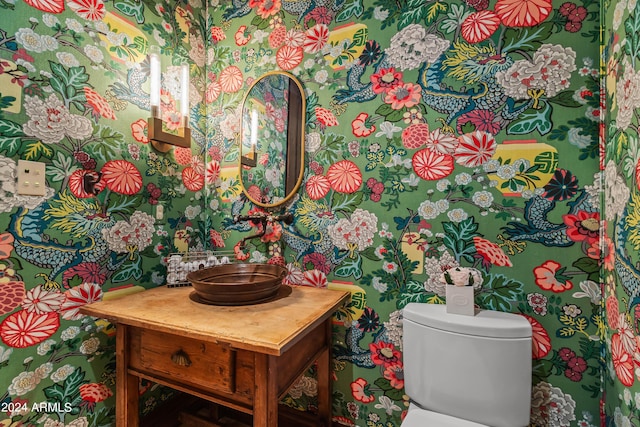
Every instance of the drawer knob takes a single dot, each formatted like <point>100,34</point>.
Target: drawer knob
<point>181,358</point>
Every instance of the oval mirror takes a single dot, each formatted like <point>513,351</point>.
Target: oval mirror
<point>272,139</point>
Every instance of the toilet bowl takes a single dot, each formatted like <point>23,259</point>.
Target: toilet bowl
<point>418,417</point>
<point>466,371</point>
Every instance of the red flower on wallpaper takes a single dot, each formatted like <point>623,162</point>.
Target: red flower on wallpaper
<point>491,252</point>
<point>139,131</point>
<point>475,149</point>
<point>100,105</point>
<point>523,13</point>
<point>276,37</point>
<point>242,37</point>
<point>316,38</point>
<point>612,309</point>
<point>344,176</point>
<point>403,95</point>
<point>550,277</point>
<point>78,296</point>
<point>48,6</point>
<point>6,245</point>
<point>84,183</point>
<point>394,373</point>
<point>361,126</point>
<point>326,117</point>
<point>266,8</point>
<point>231,79</point>
<point>360,391</point>
<point>93,393</point>
<point>415,136</point>
<point>121,177</point>
<point>213,171</point>
<point>182,155</point>
<point>214,89</point>
<point>317,187</point>
<point>25,329</point>
<point>91,10</point>
<point>584,226</point>
<point>91,272</point>
<point>540,341</point>
<point>479,26</point>
<point>289,57</point>
<point>11,295</point>
<point>431,165</point>
<point>384,353</point>
<point>385,80</point>
<point>315,279</point>
<point>622,361</point>
<point>192,179</point>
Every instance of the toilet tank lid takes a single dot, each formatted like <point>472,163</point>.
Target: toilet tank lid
<point>486,323</point>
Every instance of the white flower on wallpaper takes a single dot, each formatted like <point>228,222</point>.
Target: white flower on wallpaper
<point>50,120</point>
<point>616,192</point>
<point>412,47</point>
<point>549,70</point>
<point>627,95</point>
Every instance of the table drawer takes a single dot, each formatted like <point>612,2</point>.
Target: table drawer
<point>188,360</point>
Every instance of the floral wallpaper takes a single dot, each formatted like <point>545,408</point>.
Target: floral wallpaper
<point>619,171</point>
<point>439,134</point>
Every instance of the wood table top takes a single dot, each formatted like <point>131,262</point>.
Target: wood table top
<point>269,327</point>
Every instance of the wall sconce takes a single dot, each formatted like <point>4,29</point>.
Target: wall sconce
<point>161,140</point>
<point>250,159</point>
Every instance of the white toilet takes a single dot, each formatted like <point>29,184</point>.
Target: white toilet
<point>466,371</point>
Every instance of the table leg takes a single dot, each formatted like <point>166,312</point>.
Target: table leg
<point>265,396</point>
<point>324,380</point>
<point>126,384</point>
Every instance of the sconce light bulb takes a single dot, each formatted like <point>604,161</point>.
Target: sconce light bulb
<point>184,92</point>
<point>155,80</point>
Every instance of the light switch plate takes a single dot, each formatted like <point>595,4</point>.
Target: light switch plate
<point>31,178</point>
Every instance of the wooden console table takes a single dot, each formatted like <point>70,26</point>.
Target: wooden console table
<point>243,357</point>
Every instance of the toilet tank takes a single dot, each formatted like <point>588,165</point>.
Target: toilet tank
<point>472,367</point>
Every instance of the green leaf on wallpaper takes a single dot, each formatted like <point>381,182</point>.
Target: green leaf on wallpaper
<point>370,253</point>
<point>35,150</point>
<point>388,390</point>
<point>107,142</point>
<point>529,38</point>
<point>632,30</point>
<point>589,266</point>
<point>346,202</point>
<point>413,12</point>
<point>349,9</point>
<point>389,113</point>
<point>70,83</point>
<point>131,8</point>
<point>565,98</point>
<point>498,291</point>
<point>68,391</point>
<point>459,238</point>
<point>101,418</point>
<point>350,267</point>
<point>259,22</point>
<point>130,269</point>
<point>532,120</point>
<point>10,129</point>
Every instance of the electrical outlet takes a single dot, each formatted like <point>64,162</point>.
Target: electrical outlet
<point>31,178</point>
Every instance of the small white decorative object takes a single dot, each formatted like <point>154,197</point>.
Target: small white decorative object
<point>461,283</point>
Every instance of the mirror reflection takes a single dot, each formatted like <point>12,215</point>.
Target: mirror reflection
<point>272,139</point>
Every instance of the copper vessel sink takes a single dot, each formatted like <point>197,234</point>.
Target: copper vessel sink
<point>236,284</point>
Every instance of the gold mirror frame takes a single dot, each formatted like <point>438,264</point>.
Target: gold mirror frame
<point>294,150</point>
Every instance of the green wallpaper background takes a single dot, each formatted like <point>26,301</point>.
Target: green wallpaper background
<point>439,134</point>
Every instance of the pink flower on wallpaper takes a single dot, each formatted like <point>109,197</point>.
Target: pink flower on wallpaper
<point>432,165</point>
<point>475,149</point>
<point>541,343</point>
<point>41,301</point>
<point>403,95</point>
<point>523,13</point>
<point>91,10</point>
<point>49,6</point>
<point>622,361</point>
<point>550,277</point>
<point>360,391</point>
<point>78,296</point>
<point>479,26</point>
<point>289,57</point>
<point>316,38</point>
<point>25,329</point>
